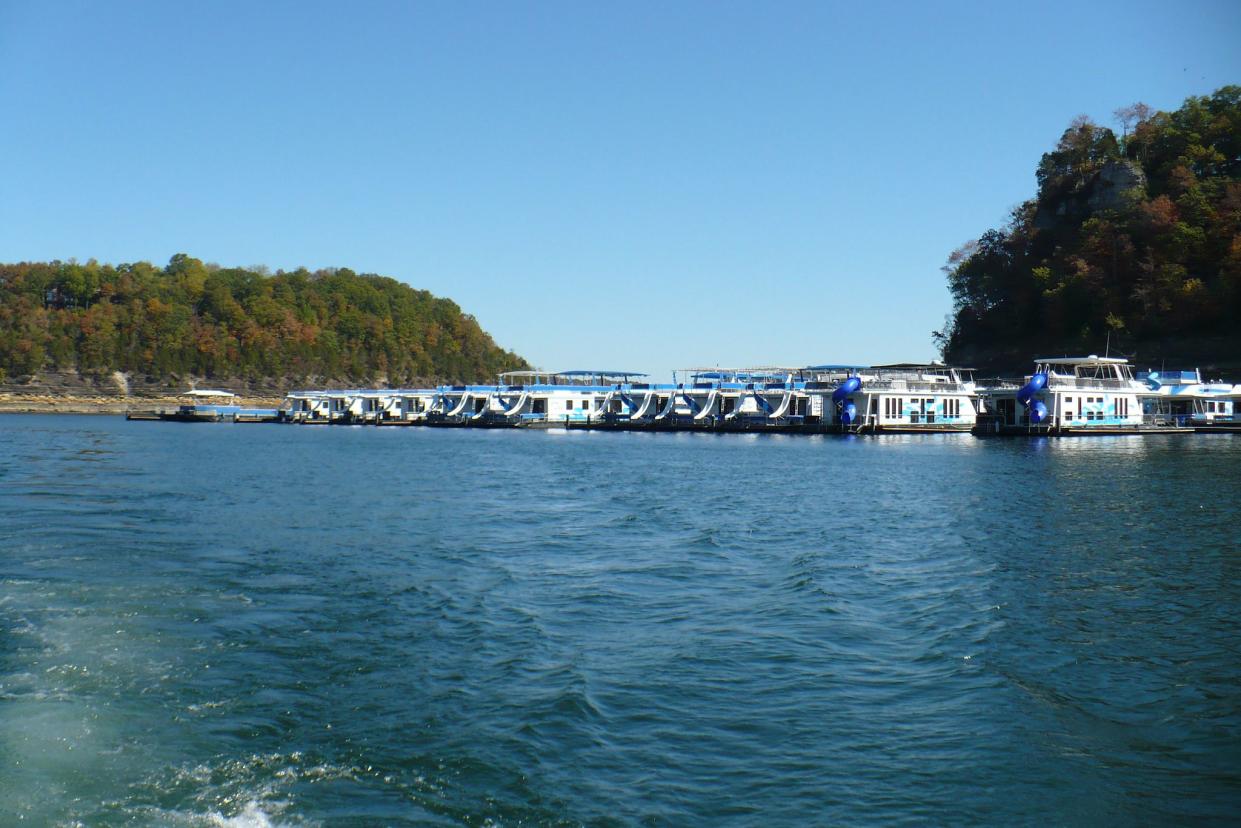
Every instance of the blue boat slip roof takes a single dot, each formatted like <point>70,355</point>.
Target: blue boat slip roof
<point>836,367</point>
<point>739,375</point>
<point>1093,359</point>
<point>599,374</point>
<point>920,366</point>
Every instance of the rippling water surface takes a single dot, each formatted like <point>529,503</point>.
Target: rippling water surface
<point>253,625</point>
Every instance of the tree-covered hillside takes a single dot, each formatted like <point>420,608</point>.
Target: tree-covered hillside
<point>191,319</point>
<point>1133,238</point>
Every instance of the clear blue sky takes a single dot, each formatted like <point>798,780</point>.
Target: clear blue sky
<point>637,186</point>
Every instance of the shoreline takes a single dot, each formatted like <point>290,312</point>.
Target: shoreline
<point>104,404</point>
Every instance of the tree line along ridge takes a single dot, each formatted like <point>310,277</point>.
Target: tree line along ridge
<point>195,319</point>
<point>1132,239</point>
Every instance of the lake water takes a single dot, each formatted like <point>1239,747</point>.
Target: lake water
<point>251,625</point>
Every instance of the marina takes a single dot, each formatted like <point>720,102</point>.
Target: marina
<point>1062,396</point>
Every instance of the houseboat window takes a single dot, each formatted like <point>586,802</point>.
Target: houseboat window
<point>568,405</point>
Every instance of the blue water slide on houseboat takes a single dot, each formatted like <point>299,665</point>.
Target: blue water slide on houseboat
<point>840,397</point>
<point>1025,395</point>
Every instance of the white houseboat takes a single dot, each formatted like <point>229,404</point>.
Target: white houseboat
<point>1072,395</point>
<point>1185,398</point>
<point>901,397</point>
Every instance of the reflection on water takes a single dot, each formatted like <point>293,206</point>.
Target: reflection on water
<point>234,625</point>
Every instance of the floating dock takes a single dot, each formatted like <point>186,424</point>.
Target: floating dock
<point>1070,396</point>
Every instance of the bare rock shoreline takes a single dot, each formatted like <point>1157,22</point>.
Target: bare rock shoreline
<point>71,392</point>
<point>38,403</point>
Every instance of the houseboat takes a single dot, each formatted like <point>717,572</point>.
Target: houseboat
<point>577,398</point>
<point>204,406</point>
<point>1186,399</point>
<point>1072,396</point>
<point>305,407</point>
<point>901,397</point>
<point>207,406</point>
<point>407,406</point>
<point>709,399</point>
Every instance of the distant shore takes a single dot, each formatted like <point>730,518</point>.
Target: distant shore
<point>11,403</point>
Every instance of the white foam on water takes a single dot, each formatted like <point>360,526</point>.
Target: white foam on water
<point>251,816</point>
<point>61,738</point>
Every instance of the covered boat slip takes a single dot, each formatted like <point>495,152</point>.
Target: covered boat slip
<point>907,397</point>
<point>697,400</point>
<point>356,407</point>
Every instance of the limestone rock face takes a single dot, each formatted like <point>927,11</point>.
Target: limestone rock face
<point>1116,185</point>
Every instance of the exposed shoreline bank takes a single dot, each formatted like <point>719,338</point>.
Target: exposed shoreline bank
<point>103,404</point>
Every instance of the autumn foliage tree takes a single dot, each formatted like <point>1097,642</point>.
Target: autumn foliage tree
<point>190,318</point>
<point>1133,240</point>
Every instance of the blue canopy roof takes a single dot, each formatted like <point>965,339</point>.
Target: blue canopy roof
<point>724,375</point>
<point>835,367</point>
<point>600,374</point>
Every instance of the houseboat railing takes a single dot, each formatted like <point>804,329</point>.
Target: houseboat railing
<point>1087,383</point>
